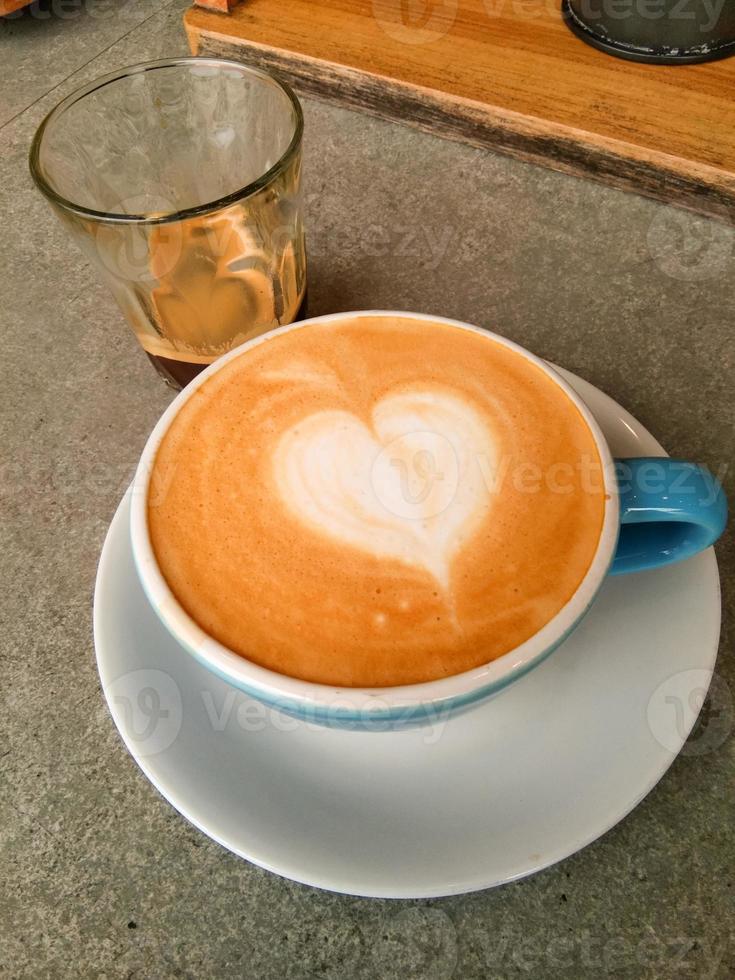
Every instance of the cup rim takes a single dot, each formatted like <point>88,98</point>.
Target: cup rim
<point>247,190</point>
<point>464,687</point>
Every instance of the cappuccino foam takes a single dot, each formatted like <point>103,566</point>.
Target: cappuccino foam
<point>376,501</point>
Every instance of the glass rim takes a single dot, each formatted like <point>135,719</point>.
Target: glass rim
<point>217,204</point>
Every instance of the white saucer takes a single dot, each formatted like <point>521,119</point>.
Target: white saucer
<point>502,791</point>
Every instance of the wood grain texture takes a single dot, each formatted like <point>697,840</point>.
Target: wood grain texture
<point>9,6</point>
<point>221,6</point>
<point>505,74</point>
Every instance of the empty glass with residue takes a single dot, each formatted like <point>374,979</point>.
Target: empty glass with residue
<point>180,180</point>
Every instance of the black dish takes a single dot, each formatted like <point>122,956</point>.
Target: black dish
<point>663,32</point>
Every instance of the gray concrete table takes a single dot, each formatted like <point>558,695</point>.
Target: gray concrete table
<point>99,875</point>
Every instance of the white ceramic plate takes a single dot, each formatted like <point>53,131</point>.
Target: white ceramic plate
<point>502,791</point>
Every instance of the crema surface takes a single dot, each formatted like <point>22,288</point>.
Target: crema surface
<point>376,501</point>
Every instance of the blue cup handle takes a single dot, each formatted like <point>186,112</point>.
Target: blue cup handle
<point>669,510</point>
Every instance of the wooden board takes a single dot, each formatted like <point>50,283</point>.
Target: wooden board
<point>506,74</point>
<point>10,6</point>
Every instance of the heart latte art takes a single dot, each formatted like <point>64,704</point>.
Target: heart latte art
<point>376,502</point>
<point>408,486</point>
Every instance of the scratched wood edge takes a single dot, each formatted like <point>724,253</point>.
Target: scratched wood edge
<point>669,179</point>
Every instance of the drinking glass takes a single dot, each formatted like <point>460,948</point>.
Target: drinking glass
<point>180,179</point>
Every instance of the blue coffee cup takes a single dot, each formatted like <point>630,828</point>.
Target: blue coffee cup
<point>657,511</point>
